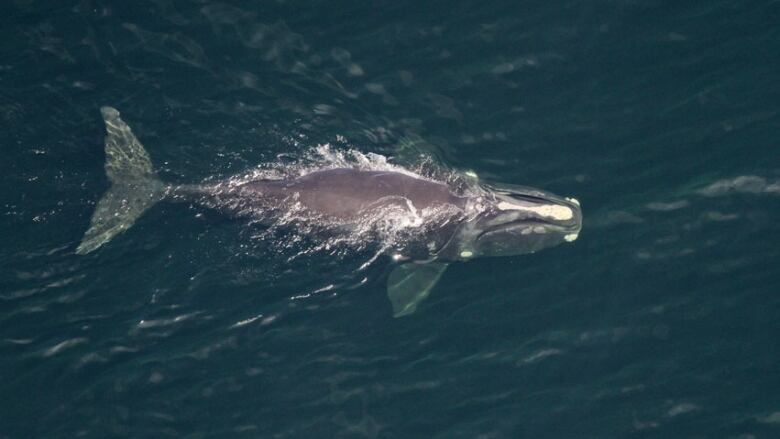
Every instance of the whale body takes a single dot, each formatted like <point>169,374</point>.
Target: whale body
<point>490,220</point>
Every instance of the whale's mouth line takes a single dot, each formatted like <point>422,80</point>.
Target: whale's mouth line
<point>527,223</point>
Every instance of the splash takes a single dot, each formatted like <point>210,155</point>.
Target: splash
<point>325,156</point>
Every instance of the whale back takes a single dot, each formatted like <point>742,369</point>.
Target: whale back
<point>348,192</point>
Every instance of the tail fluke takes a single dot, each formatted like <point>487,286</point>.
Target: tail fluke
<point>134,184</point>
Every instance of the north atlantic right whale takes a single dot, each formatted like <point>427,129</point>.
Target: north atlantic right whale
<point>443,225</point>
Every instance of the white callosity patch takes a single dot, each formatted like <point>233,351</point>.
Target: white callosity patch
<point>554,211</point>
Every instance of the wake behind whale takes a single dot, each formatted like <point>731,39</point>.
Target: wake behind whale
<point>423,223</point>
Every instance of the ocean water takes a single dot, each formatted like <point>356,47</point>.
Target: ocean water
<point>661,320</point>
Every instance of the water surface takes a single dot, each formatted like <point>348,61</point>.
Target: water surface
<point>661,320</point>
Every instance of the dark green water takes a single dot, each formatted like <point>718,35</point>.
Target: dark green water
<point>661,320</point>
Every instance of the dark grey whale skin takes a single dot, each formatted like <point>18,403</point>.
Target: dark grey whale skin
<point>343,196</point>
<point>349,192</point>
<point>502,225</point>
<point>342,193</point>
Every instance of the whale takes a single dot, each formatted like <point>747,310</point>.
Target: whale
<point>446,225</point>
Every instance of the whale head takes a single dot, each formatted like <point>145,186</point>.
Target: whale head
<point>509,220</point>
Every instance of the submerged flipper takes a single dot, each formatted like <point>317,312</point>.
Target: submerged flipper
<point>412,150</point>
<point>134,184</point>
<point>410,284</point>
